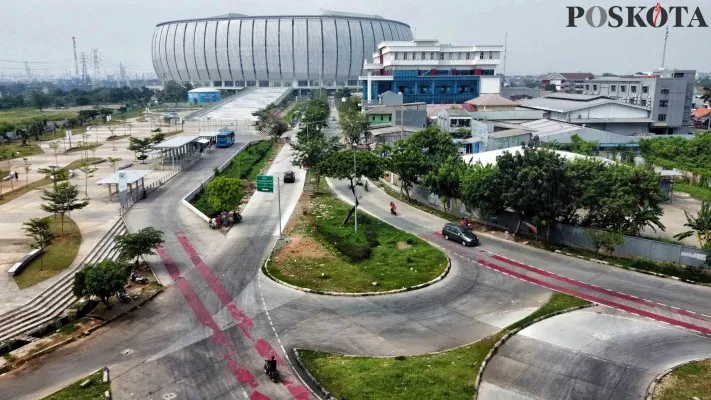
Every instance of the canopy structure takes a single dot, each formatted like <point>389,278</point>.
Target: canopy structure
<point>179,149</point>
<point>134,179</point>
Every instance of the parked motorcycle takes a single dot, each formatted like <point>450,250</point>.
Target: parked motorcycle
<point>137,279</point>
<point>123,296</point>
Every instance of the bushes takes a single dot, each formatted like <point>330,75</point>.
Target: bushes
<point>353,251</point>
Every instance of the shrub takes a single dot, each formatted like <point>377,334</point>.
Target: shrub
<point>353,251</point>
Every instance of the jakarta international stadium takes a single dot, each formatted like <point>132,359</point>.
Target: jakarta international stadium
<point>300,51</point>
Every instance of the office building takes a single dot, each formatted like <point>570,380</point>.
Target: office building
<point>429,72</point>
<point>667,93</point>
<point>568,82</point>
<point>234,50</point>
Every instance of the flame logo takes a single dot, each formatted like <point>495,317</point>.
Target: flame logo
<point>657,11</point>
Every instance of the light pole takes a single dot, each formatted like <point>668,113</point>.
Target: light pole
<point>355,195</point>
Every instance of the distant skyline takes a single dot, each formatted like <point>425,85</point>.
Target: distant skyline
<point>40,32</point>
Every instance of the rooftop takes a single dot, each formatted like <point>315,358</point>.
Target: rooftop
<point>175,142</point>
<point>556,131</point>
<point>509,133</point>
<point>565,102</point>
<point>701,112</point>
<point>491,99</point>
<point>396,107</point>
<point>203,90</point>
<point>132,176</point>
<point>393,129</point>
<point>489,157</point>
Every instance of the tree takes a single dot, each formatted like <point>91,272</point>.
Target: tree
<point>605,241</point>
<point>353,122</point>
<point>87,169</point>
<point>38,230</point>
<point>277,128</point>
<point>101,279</point>
<point>138,145</point>
<point>445,180</point>
<point>581,146</point>
<point>408,162</point>
<point>352,165</point>
<point>482,192</point>
<point>54,173</point>
<point>700,225</point>
<point>39,99</point>
<point>223,193</point>
<point>436,146</point>
<point>113,161</point>
<point>313,152</point>
<point>37,128</point>
<point>62,200</point>
<point>462,133</point>
<point>141,243</point>
<point>157,138</point>
<point>55,149</point>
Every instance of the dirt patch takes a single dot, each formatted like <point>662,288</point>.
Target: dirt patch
<point>402,245</point>
<point>300,246</point>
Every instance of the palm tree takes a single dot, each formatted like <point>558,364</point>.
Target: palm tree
<point>700,225</point>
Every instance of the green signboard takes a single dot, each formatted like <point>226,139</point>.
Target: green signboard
<point>265,183</point>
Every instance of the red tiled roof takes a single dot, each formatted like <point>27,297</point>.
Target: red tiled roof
<point>701,112</point>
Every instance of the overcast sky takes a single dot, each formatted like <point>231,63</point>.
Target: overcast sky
<point>538,39</point>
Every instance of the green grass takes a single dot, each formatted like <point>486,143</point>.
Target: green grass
<point>116,137</point>
<point>88,147</point>
<point>94,391</point>
<point>697,192</point>
<point>11,195</point>
<point>245,165</point>
<point>57,257</point>
<point>450,375</point>
<point>378,252</point>
<point>22,115</point>
<point>17,150</point>
<point>686,382</point>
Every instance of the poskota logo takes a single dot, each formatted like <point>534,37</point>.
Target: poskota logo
<point>637,16</point>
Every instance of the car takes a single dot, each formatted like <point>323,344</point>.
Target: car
<point>459,234</point>
<point>289,177</point>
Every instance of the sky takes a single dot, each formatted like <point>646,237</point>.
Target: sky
<point>40,31</point>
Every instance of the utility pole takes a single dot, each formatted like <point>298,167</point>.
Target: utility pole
<point>76,61</point>
<point>355,214</point>
<point>83,67</point>
<point>96,66</point>
<point>28,71</point>
<point>664,53</point>
<point>506,47</point>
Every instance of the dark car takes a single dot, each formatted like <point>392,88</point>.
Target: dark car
<point>459,234</point>
<point>289,177</point>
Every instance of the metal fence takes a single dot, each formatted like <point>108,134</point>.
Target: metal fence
<point>575,236</point>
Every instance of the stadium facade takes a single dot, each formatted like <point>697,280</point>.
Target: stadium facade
<point>235,50</point>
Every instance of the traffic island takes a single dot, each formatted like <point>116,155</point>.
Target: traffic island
<point>687,381</point>
<point>321,254</point>
<point>92,387</point>
<point>452,374</point>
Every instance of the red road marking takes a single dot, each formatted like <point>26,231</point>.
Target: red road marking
<point>261,345</point>
<point>203,315</point>
<point>595,299</point>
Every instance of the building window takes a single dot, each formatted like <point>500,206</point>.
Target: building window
<point>678,75</point>
<point>491,55</point>
<point>664,91</point>
<point>404,56</point>
<point>481,55</point>
<point>423,55</point>
<point>467,55</point>
<point>594,88</point>
<point>587,87</point>
<point>459,56</point>
<point>663,103</point>
<point>397,56</point>
<point>423,89</point>
<point>662,117</point>
<point>623,88</point>
<point>441,56</point>
<point>432,55</point>
<point>633,89</point>
<point>613,88</point>
<point>645,89</point>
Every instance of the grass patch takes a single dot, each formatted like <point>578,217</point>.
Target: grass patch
<point>246,165</point>
<point>697,192</point>
<point>346,261</point>
<point>94,390</point>
<point>684,272</point>
<point>58,256</point>
<point>450,375</point>
<point>116,137</point>
<point>83,148</point>
<point>24,115</point>
<point>17,150</point>
<point>686,382</point>
<point>11,195</point>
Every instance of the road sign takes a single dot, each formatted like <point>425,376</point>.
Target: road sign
<point>265,183</point>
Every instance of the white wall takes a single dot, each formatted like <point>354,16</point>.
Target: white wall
<point>490,84</point>
<point>611,110</point>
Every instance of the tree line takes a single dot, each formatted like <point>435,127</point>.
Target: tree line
<point>19,96</point>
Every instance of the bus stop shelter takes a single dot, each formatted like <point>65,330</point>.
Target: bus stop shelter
<point>134,180</point>
<point>175,150</point>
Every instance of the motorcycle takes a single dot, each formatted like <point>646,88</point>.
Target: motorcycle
<point>123,297</point>
<point>273,373</point>
<point>137,279</point>
<point>392,211</point>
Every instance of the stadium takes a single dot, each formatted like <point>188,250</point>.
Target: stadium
<point>235,50</point>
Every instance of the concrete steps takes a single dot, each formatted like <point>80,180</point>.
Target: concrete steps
<point>46,306</point>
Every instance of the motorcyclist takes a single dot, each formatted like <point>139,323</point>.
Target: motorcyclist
<point>271,365</point>
<point>392,207</point>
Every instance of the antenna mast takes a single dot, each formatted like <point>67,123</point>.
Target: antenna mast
<point>664,53</point>
<point>76,61</point>
<point>506,47</point>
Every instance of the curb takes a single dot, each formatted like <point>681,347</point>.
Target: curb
<point>311,377</point>
<point>661,375</point>
<point>265,270</point>
<point>508,335</point>
<point>657,274</point>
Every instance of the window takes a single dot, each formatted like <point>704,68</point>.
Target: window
<point>397,56</point>
<point>613,88</point>
<point>481,55</point>
<point>423,89</point>
<point>645,89</point>
<point>491,55</point>
<point>587,87</point>
<point>662,117</point>
<point>678,75</point>
<point>468,55</point>
<point>404,56</point>
<point>441,56</point>
<point>594,88</point>
<point>459,55</point>
<point>623,88</point>
<point>633,89</point>
<point>664,91</point>
<point>663,103</point>
<point>423,55</point>
<point>432,55</point>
